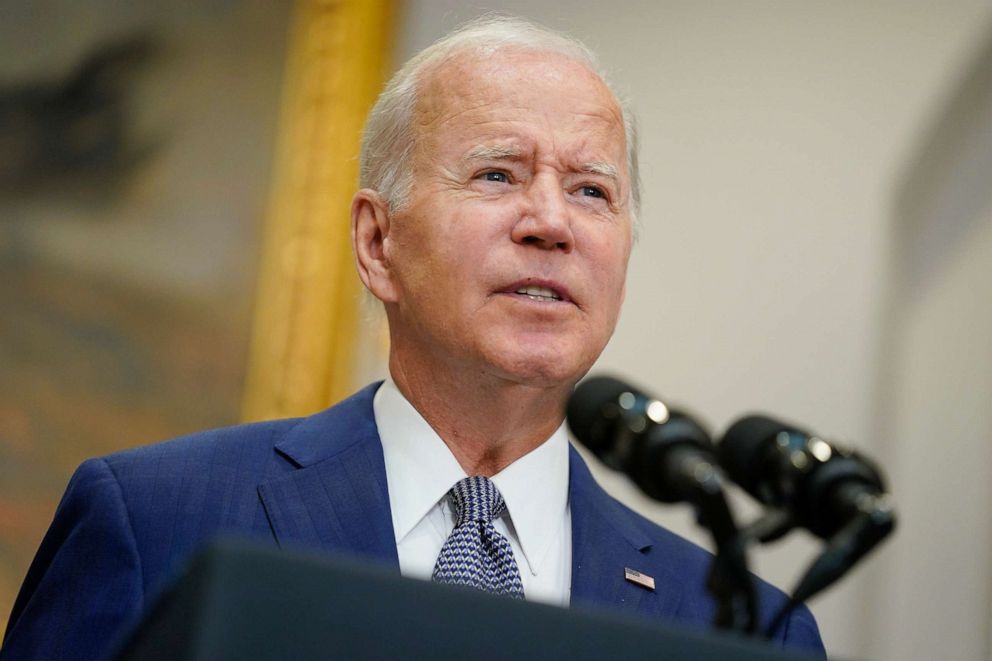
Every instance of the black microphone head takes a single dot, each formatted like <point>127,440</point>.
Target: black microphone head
<point>784,466</point>
<point>743,451</point>
<point>589,412</point>
<point>634,433</point>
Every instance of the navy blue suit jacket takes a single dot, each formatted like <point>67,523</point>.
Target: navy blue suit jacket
<point>128,521</point>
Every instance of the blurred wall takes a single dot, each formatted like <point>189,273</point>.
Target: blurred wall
<point>130,203</point>
<point>777,269</point>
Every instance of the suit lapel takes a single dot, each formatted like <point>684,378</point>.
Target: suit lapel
<point>336,500</point>
<point>605,540</point>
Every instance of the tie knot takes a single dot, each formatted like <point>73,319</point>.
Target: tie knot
<point>476,498</point>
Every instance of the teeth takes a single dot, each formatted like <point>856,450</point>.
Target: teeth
<point>539,293</point>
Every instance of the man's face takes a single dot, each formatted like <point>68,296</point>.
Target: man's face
<point>511,255</point>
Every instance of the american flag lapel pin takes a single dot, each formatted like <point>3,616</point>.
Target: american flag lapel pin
<point>635,576</point>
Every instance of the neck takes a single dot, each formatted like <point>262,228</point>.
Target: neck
<point>488,422</point>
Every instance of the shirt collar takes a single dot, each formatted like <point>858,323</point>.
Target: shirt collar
<point>535,489</point>
<point>420,470</point>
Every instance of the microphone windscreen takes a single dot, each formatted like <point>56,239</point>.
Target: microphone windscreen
<point>744,447</point>
<point>585,410</point>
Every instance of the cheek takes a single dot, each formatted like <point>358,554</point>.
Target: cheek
<point>611,275</point>
<point>435,274</point>
<point>610,258</point>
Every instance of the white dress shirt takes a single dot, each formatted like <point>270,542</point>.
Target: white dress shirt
<point>420,470</point>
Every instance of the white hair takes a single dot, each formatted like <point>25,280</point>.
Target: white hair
<point>387,143</point>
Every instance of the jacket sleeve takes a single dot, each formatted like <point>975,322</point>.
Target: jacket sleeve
<point>85,583</point>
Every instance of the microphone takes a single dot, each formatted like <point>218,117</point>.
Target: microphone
<point>823,485</point>
<point>833,492</point>
<point>671,458</point>
<point>664,451</point>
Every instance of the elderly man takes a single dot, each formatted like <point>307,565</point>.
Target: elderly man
<point>494,224</point>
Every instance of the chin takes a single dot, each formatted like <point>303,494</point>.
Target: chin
<point>541,370</point>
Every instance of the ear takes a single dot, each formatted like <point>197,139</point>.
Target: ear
<point>369,233</point>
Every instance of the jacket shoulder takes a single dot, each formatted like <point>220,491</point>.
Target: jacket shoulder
<point>209,445</point>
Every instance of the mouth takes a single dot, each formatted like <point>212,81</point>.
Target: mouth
<point>540,291</point>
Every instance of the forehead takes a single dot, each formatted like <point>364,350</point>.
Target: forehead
<point>518,95</point>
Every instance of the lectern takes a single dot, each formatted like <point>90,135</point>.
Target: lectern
<point>238,601</point>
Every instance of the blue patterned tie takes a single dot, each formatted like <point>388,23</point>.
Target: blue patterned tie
<point>475,554</point>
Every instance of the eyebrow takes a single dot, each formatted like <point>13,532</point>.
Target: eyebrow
<point>493,152</point>
<point>601,168</point>
<point>497,152</point>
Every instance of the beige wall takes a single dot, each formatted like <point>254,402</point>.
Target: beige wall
<point>777,269</point>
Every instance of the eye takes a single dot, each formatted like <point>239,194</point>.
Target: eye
<point>496,175</point>
<point>592,191</point>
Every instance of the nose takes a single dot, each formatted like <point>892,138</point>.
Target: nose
<point>545,220</point>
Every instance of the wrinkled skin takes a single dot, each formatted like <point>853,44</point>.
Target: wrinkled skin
<point>519,179</point>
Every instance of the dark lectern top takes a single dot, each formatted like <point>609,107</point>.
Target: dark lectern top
<point>242,602</point>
